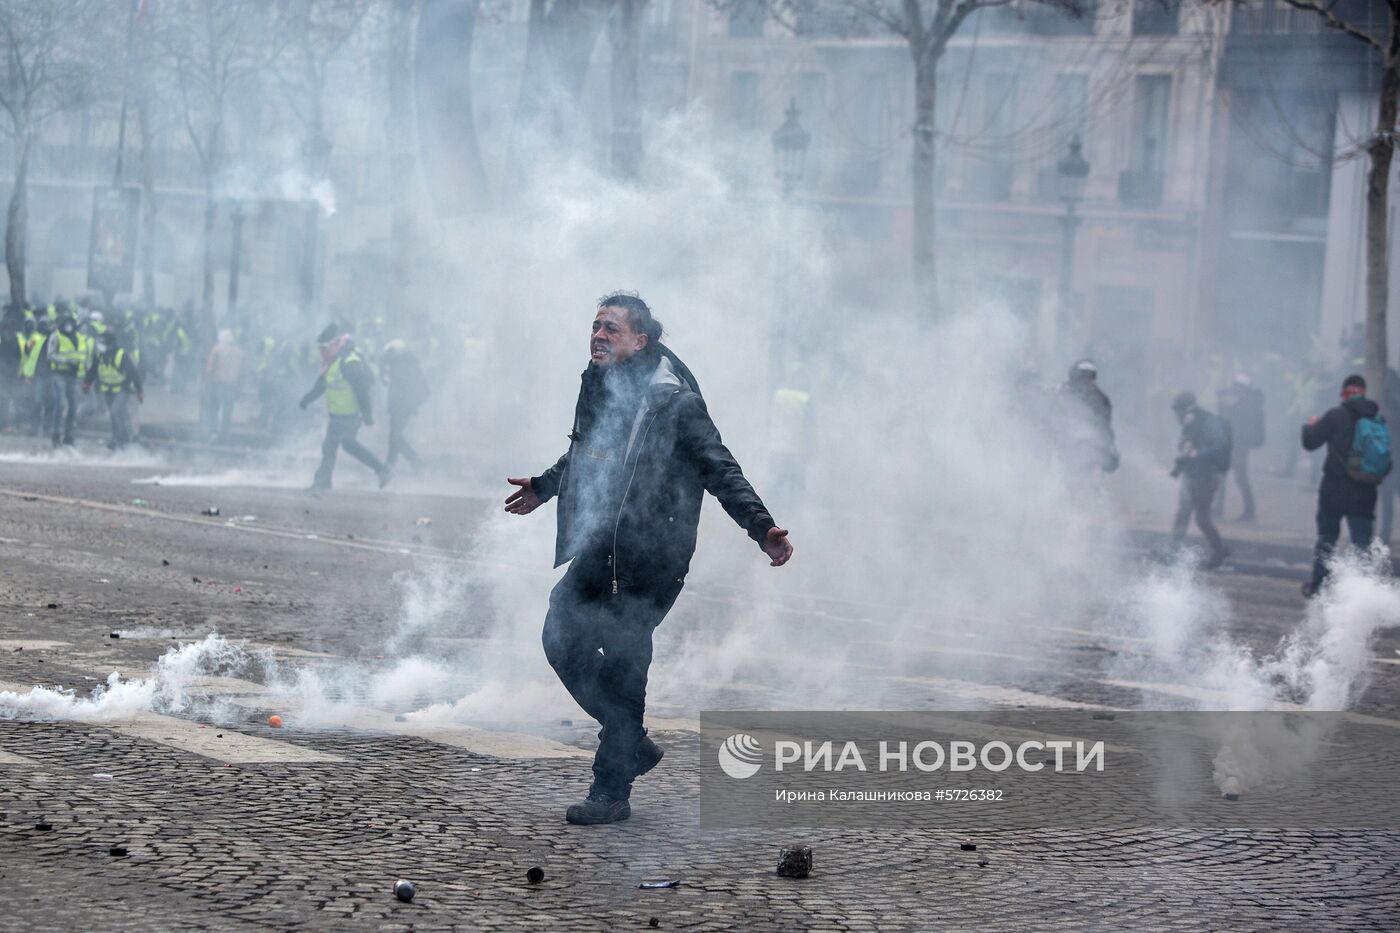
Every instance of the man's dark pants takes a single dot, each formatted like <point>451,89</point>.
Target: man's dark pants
<point>1239,467</point>
<point>63,404</point>
<point>1338,500</point>
<point>340,432</point>
<point>119,411</point>
<point>1196,496</point>
<point>398,444</point>
<point>600,646</point>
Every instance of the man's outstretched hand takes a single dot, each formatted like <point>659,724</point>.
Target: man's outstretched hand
<point>524,501</point>
<point>776,545</point>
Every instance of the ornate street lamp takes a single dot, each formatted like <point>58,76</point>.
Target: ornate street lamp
<point>790,142</point>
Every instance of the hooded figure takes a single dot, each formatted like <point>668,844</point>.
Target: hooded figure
<point>642,454</point>
<point>1203,456</point>
<point>1341,495</point>
<point>345,381</point>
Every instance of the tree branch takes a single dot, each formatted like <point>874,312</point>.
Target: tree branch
<point>1325,11</point>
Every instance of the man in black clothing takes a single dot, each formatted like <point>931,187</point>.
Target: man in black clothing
<point>1203,456</point>
<point>643,452</point>
<point>408,389</point>
<point>1084,422</point>
<point>1339,496</point>
<point>1242,404</point>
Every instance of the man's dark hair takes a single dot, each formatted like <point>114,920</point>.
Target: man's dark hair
<point>639,316</point>
<point>1354,380</point>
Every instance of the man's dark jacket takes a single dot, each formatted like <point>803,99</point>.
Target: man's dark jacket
<point>1209,435</point>
<point>674,456</point>
<point>1243,407</point>
<point>1336,429</point>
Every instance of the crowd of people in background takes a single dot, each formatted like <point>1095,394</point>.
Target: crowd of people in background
<point>62,360</point>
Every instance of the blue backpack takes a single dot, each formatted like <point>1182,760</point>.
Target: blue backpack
<point>1369,461</point>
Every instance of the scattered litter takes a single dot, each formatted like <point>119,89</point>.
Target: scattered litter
<point>658,885</point>
<point>968,846</point>
<point>238,589</point>
<point>404,890</point>
<point>983,862</point>
<point>117,850</point>
<point>219,736</point>
<point>164,562</point>
<point>101,580</point>
<point>1105,716</point>
<point>795,862</point>
<point>423,522</point>
<point>535,875</point>
<point>101,777</point>
<point>312,537</point>
<point>654,922</point>
<point>139,502</point>
<point>248,518</point>
<point>212,510</point>
<point>51,606</point>
<point>1231,796</point>
<point>43,827</point>
<point>196,579</point>
<point>114,635</point>
<point>274,721</point>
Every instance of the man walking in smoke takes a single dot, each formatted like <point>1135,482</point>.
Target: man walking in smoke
<point>1084,422</point>
<point>1358,461</point>
<point>345,381</point>
<point>1203,457</point>
<point>642,454</point>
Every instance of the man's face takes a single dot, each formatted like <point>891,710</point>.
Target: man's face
<point>613,338</point>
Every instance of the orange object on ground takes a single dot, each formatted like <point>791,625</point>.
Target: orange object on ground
<point>275,721</point>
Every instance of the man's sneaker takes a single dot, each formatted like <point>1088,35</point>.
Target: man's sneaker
<point>598,807</point>
<point>649,755</point>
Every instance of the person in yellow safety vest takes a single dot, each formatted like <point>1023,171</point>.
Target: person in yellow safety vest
<point>65,354</point>
<point>345,381</point>
<point>788,422</point>
<point>11,356</point>
<point>118,378</point>
<point>35,378</point>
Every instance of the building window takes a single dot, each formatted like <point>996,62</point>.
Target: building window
<point>991,175</point>
<point>1155,17</point>
<point>743,100</point>
<point>1141,185</point>
<point>746,19</point>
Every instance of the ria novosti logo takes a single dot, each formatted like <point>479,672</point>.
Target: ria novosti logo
<point>741,755</point>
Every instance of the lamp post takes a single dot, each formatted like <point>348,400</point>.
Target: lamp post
<point>1073,171</point>
<point>790,142</point>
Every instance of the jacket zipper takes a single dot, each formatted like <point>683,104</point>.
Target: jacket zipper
<point>618,523</point>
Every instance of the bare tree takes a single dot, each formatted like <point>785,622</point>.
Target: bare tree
<point>214,48</point>
<point>624,35</point>
<point>47,49</point>
<point>926,26</point>
<point>446,123</point>
<point>558,49</point>
<point>317,30</point>
<point>1384,37</point>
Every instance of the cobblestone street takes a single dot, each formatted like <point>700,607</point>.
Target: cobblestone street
<point>224,822</point>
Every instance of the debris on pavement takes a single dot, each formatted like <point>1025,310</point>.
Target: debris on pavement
<point>139,502</point>
<point>659,885</point>
<point>654,922</point>
<point>968,846</point>
<point>535,875</point>
<point>101,777</point>
<point>114,635</point>
<point>274,721</point>
<point>795,862</point>
<point>212,510</point>
<point>423,522</point>
<point>164,562</point>
<point>43,827</point>
<point>117,850</point>
<point>404,890</point>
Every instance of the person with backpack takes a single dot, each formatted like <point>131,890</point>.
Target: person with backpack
<point>1357,462</point>
<point>1203,459</point>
